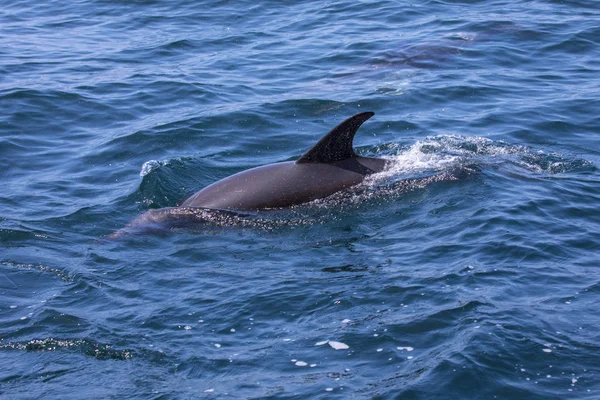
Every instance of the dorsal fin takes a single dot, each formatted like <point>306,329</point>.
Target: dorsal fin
<point>337,144</point>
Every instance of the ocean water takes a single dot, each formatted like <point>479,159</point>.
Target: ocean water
<point>469,269</point>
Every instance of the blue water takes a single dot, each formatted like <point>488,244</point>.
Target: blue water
<point>468,269</point>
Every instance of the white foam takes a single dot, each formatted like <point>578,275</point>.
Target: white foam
<point>418,158</point>
<point>150,166</point>
<point>338,345</point>
<point>443,152</point>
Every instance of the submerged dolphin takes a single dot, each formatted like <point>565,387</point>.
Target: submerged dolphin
<point>329,166</point>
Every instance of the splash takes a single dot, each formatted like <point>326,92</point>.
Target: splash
<point>150,166</point>
<point>434,159</point>
<point>447,152</point>
<point>161,221</point>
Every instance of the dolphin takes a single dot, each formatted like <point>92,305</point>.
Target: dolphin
<point>328,167</point>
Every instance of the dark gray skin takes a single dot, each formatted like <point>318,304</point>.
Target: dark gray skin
<point>328,167</point>
<point>283,184</point>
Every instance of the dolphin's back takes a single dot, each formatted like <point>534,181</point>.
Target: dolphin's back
<point>329,166</point>
<point>283,184</point>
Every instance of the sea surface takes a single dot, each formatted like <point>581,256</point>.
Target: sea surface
<point>469,269</point>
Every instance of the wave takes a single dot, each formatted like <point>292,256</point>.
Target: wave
<point>86,347</point>
<point>433,160</point>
